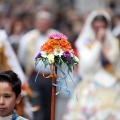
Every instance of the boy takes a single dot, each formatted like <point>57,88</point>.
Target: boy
<point>10,95</point>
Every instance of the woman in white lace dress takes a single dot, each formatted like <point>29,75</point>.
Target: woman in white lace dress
<point>99,91</point>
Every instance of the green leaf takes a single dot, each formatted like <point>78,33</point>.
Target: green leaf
<point>60,62</point>
<point>37,61</point>
<point>46,62</point>
<point>70,68</point>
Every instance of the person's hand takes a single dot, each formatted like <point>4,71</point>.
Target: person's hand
<point>106,49</point>
<point>101,34</point>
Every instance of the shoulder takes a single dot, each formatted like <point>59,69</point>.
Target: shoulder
<point>3,34</point>
<point>34,31</point>
<point>51,31</point>
<point>31,34</point>
<point>3,37</point>
<point>21,118</point>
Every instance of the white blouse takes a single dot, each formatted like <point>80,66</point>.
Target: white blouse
<point>6,118</point>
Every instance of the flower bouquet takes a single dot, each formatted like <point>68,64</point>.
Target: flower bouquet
<point>57,50</point>
<point>59,55</point>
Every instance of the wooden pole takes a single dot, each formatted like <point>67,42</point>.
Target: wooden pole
<point>53,96</point>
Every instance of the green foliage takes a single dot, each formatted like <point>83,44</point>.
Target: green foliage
<point>59,61</point>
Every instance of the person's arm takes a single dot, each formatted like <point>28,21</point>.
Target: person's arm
<point>111,51</point>
<point>90,56</point>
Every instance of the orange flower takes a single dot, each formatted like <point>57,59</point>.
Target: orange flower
<point>65,45</point>
<point>53,44</point>
<point>49,48</point>
<point>49,41</point>
<point>44,46</point>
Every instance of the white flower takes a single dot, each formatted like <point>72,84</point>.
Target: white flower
<point>58,52</point>
<point>44,54</point>
<point>50,58</point>
<point>76,59</point>
<point>71,53</point>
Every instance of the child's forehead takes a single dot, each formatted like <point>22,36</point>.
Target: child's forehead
<point>6,82</point>
<point>5,86</point>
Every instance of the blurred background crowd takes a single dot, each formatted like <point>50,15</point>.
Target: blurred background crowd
<point>93,29</point>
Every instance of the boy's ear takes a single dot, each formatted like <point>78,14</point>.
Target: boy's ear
<point>18,99</point>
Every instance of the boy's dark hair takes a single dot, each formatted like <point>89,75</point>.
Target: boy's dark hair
<point>13,79</point>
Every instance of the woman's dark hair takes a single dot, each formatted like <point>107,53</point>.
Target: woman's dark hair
<point>13,23</point>
<point>100,18</point>
<point>13,79</point>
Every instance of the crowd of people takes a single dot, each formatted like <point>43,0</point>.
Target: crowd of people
<point>95,39</point>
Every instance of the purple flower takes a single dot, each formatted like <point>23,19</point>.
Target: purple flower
<point>38,55</point>
<point>67,55</point>
<point>57,36</point>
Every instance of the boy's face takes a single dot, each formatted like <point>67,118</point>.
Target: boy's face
<point>8,99</point>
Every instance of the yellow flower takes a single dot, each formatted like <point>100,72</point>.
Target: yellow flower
<point>51,58</point>
<point>76,59</point>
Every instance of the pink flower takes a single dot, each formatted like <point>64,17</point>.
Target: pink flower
<point>57,36</point>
